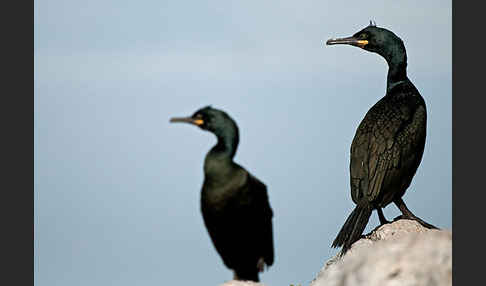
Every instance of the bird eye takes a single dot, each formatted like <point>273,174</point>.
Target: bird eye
<point>198,116</point>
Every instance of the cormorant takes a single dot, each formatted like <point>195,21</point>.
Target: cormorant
<point>234,203</point>
<point>389,142</point>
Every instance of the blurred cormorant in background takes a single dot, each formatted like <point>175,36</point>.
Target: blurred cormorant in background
<point>234,203</point>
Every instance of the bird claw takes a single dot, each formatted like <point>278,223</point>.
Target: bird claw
<point>398,218</point>
<point>420,221</point>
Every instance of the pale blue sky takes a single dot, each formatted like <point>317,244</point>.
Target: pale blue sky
<point>117,187</point>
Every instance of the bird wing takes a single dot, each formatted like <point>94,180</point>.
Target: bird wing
<point>380,143</point>
<point>240,226</point>
<point>263,214</point>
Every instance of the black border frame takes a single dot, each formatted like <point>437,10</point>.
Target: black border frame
<point>18,143</point>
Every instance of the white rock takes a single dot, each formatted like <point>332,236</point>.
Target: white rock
<point>400,253</point>
<point>241,283</point>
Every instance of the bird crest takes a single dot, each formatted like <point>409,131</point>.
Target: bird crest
<point>372,23</point>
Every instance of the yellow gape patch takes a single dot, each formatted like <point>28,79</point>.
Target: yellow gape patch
<point>362,43</point>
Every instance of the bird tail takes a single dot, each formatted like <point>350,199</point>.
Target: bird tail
<point>353,227</point>
<point>246,275</point>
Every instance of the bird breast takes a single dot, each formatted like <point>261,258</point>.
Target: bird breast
<point>220,190</point>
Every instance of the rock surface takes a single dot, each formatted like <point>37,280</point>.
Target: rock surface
<point>400,253</point>
<point>241,283</point>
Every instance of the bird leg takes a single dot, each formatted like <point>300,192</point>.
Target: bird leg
<point>383,220</point>
<point>407,214</point>
<point>261,264</point>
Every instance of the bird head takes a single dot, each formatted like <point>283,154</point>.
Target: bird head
<point>373,39</point>
<point>209,119</point>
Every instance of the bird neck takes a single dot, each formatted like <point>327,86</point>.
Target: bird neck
<point>397,66</point>
<point>219,160</point>
<point>227,144</point>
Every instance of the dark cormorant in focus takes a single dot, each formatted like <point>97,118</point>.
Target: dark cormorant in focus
<point>234,203</point>
<point>388,145</point>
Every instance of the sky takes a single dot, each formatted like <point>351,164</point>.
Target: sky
<point>117,187</point>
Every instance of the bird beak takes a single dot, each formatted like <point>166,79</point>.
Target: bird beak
<point>348,41</point>
<point>190,120</point>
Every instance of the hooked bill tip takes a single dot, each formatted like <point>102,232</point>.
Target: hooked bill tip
<point>330,41</point>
